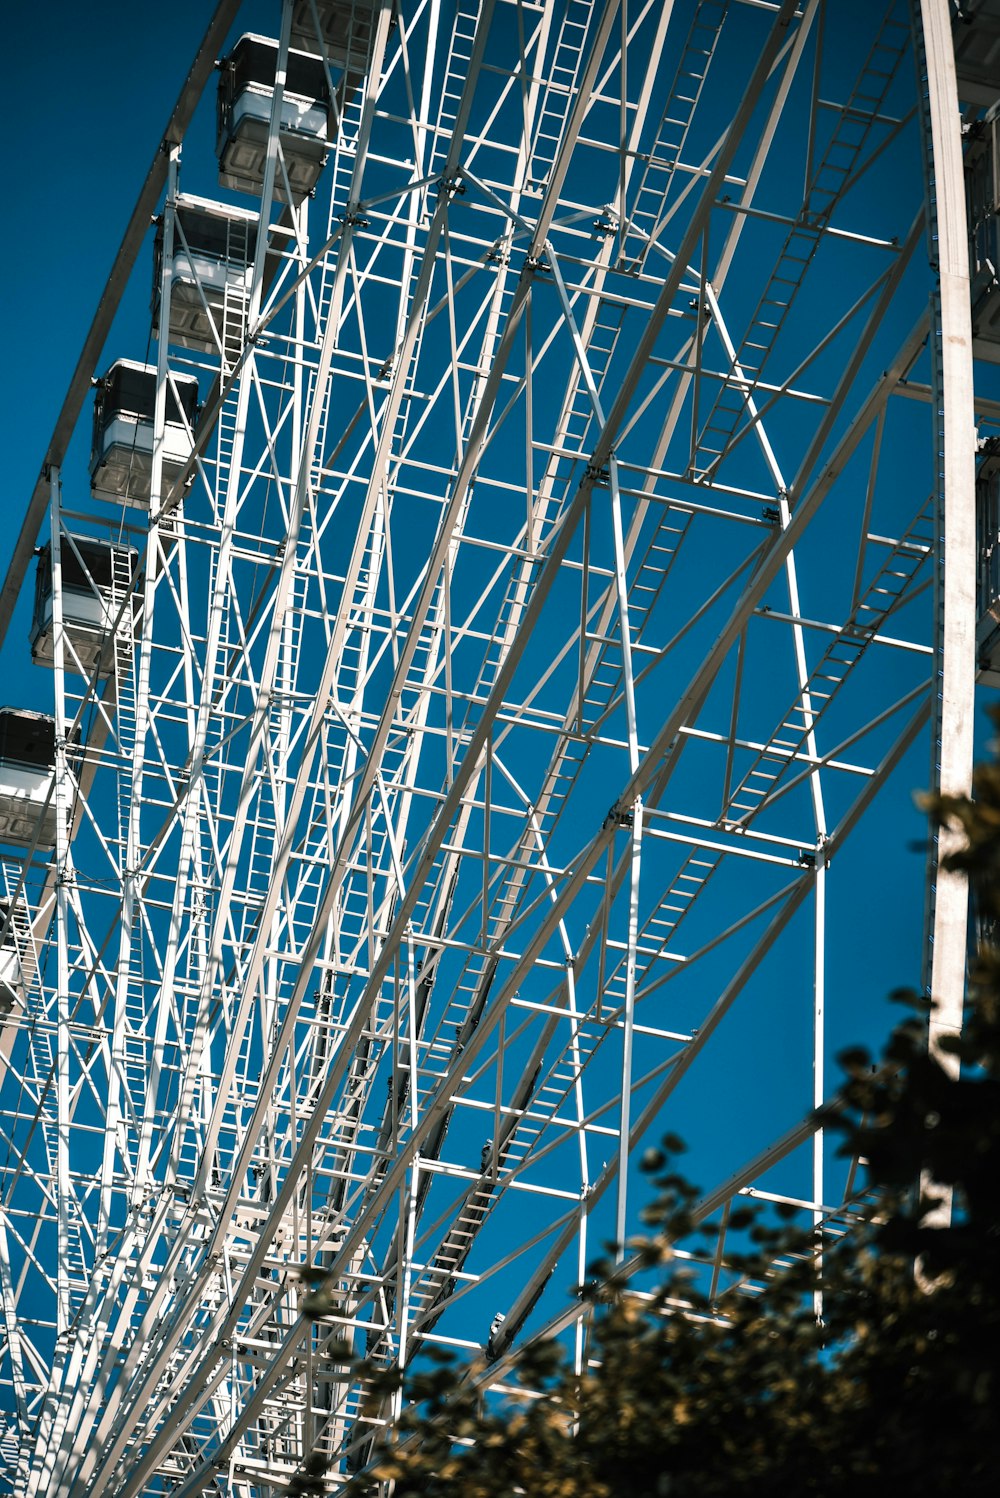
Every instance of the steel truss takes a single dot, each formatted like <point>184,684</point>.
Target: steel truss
<point>555,584</point>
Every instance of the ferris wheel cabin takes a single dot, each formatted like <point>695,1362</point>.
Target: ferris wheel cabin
<point>976,33</point>
<point>27,767</point>
<point>345,29</point>
<point>97,581</point>
<point>246,88</point>
<point>211,269</point>
<point>121,463</point>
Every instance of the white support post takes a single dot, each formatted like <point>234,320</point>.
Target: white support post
<point>414,1181</point>
<point>628,1034</point>
<point>63,798</point>
<point>54,1414</point>
<point>956,571</point>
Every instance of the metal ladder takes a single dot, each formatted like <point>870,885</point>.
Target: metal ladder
<point>826,185</point>
<point>350,99</point>
<point>672,132</point>
<point>235,297</point>
<point>772,763</point>
<point>460,50</point>
<point>662,923</point>
<point>123,644</point>
<point>436,1282</point>
<point>562,75</point>
<point>839,658</point>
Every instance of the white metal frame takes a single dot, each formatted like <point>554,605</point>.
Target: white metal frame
<point>484,723</point>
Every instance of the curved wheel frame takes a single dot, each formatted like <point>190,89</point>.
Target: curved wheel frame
<point>556,588</point>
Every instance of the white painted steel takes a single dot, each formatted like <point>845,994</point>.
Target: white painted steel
<point>528,646</point>
<point>957,518</point>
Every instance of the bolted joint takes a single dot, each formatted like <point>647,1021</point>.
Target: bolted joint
<point>451,187</point>
<point>600,478</point>
<point>771,515</point>
<point>618,816</point>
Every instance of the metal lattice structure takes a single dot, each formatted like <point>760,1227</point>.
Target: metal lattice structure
<point>519,577</point>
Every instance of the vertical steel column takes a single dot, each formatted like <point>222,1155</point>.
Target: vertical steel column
<point>131,881</point>
<point>53,1416</point>
<point>194,810</point>
<point>61,797</point>
<point>955,602</point>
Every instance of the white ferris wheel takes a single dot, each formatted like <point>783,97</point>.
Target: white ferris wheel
<point>473,680</point>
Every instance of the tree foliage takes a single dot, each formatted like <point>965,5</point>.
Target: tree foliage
<point>898,1386</point>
